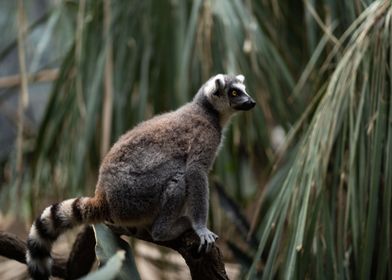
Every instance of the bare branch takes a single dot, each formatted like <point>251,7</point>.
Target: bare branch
<point>201,265</point>
<point>41,76</point>
<point>82,255</point>
<point>13,247</point>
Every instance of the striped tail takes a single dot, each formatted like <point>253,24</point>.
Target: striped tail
<point>54,221</point>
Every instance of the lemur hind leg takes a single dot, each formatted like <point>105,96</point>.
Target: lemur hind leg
<point>165,229</point>
<point>170,222</point>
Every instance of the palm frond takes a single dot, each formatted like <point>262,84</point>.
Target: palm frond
<point>159,61</point>
<point>330,197</point>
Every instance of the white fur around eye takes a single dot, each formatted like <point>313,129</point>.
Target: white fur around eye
<point>240,87</point>
<point>241,78</point>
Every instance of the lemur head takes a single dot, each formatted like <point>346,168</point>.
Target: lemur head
<point>227,94</point>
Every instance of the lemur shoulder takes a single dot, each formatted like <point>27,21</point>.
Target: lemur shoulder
<point>154,177</point>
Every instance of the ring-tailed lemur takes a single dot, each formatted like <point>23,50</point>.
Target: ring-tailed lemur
<point>154,177</point>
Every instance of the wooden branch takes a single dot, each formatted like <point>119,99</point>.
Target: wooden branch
<point>41,76</point>
<point>13,247</point>
<point>82,255</point>
<point>201,265</point>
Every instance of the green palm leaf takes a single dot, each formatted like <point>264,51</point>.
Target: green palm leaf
<point>330,198</point>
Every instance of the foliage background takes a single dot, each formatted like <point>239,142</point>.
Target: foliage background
<point>317,206</point>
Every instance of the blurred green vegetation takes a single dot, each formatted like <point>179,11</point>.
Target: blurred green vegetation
<point>320,205</point>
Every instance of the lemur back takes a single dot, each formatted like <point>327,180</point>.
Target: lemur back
<point>154,177</point>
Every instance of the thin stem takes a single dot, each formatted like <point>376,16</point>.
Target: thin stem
<point>108,82</point>
<point>23,94</point>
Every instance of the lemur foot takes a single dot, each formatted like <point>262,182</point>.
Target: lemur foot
<point>207,238</point>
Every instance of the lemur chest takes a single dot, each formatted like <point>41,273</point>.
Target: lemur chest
<point>202,145</point>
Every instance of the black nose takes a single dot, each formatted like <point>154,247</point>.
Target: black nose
<point>252,103</point>
<point>247,105</point>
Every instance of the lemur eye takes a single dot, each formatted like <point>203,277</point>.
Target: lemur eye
<point>234,93</point>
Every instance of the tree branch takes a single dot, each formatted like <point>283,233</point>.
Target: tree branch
<point>45,75</point>
<point>13,247</point>
<point>201,265</point>
<point>82,255</point>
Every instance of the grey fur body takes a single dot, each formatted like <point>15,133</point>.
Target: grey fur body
<point>154,177</point>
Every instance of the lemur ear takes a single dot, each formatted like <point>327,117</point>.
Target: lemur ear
<point>219,84</point>
<point>215,85</point>
<point>241,78</point>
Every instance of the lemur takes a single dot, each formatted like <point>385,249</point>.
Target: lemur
<point>154,177</point>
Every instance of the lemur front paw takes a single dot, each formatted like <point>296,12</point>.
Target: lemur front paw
<point>207,238</point>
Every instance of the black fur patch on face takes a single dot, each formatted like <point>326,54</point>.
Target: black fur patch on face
<point>239,100</point>
<point>234,92</point>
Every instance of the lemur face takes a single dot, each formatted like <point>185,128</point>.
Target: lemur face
<point>227,93</point>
